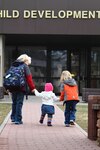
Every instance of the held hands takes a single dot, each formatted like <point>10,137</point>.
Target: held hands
<point>33,91</point>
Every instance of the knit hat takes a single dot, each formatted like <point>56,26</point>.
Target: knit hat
<point>48,87</point>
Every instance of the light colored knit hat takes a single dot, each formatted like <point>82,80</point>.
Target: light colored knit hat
<point>48,87</point>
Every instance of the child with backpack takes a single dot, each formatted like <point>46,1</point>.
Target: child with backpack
<point>16,80</point>
<point>48,98</point>
<point>69,94</point>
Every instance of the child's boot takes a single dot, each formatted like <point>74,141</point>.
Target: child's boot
<point>41,119</point>
<point>49,122</point>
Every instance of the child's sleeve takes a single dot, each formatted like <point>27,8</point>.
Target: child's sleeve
<point>61,95</point>
<point>37,93</point>
<point>56,98</point>
<point>62,92</point>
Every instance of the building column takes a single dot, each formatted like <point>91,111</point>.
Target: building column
<point>1,59</point>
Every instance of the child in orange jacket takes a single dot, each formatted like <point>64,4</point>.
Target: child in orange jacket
<point>69,94</point>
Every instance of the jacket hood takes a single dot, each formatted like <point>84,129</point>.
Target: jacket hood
<point>70,82</point>
<point>17,63</point>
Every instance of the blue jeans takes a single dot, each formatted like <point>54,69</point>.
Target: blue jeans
<point>17,103</point>
<point>47,109</point>
<point>70,110</point>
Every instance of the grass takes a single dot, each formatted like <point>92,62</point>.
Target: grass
<point>4,110</point>
<point>81,115</point>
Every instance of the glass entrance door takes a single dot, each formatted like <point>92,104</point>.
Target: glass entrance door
<point>95,68</point>
<point>58,64</point>
<point>74,60</point>
<point>78,67</point>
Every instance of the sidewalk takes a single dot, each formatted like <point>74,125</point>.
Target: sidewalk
<point>34,136</point>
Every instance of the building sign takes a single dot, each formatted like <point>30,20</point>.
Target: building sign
<point>50,14</point>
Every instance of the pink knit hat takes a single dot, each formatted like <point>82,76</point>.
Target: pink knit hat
<point>48,87</point>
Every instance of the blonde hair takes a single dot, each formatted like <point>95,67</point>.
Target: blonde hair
<point>24,58</point>
<point>65,76</point>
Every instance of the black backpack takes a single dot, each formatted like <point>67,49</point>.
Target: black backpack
<point>15,78</point>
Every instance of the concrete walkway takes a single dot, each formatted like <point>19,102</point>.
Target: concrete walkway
<point>34,136</point>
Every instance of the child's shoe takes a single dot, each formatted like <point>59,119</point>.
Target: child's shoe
<point>41,119</point>
<point>49,124</point>
<point>67,125</point>
<point>18,122</point>
<point>72,122</point>
<point>12,120</point>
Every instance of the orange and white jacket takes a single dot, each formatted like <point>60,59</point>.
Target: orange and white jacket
<point>69,90</point>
